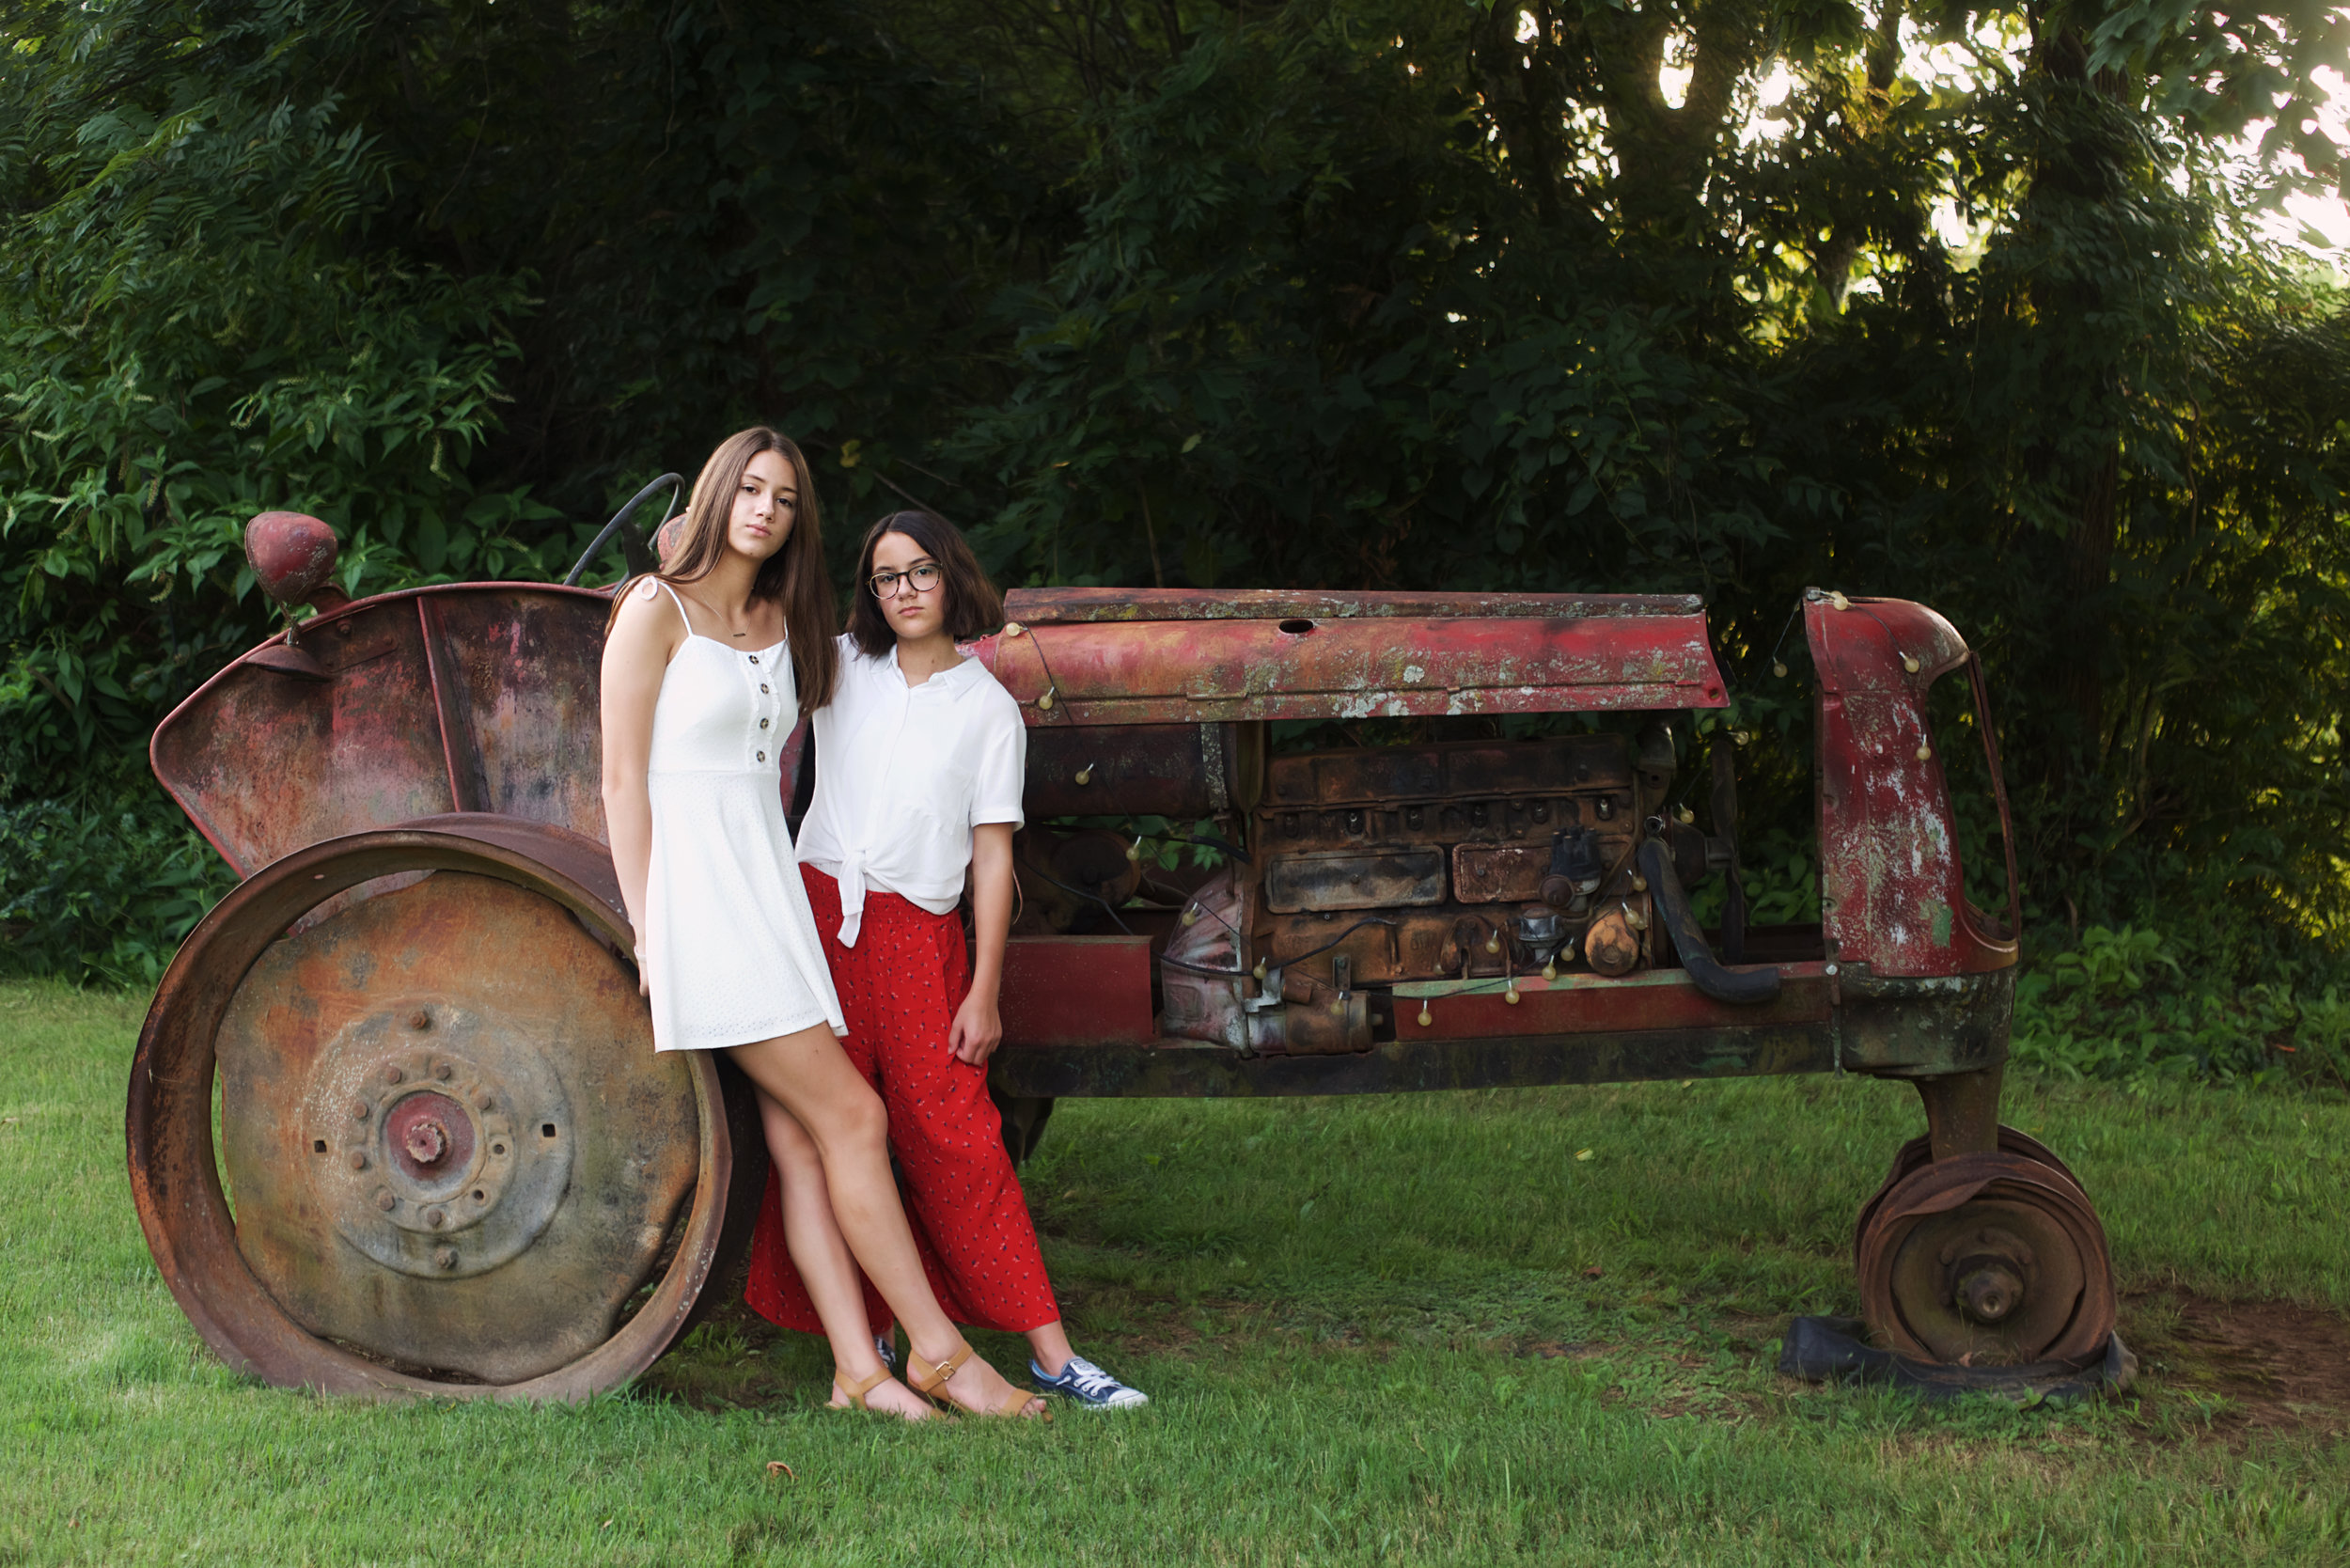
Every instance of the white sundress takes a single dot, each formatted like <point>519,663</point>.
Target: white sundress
<point>730,950</point>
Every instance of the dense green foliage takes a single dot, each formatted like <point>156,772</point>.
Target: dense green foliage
<point>1344,292</point>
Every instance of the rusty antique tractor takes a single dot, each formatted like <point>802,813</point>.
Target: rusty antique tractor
<point>449,1162</point>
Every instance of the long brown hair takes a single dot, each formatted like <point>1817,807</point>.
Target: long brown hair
<point>973,606</point>
<point>793,576</point>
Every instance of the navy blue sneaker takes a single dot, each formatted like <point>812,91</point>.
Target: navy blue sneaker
<point>1089,1385</point>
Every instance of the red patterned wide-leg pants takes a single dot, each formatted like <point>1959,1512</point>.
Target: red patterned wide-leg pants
<point>899,987</point>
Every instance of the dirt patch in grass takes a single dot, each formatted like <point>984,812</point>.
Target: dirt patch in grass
<point>2210,1369</point>
<point>2256,1366</point>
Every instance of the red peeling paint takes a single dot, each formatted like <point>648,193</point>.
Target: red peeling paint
<point>1891,889</point>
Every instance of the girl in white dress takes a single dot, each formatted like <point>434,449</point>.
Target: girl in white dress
<point>704,664</point>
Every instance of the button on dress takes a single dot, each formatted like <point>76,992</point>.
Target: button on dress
<point>732,955</point>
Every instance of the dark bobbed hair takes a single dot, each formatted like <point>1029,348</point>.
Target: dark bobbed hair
<point>793,576</point>
<point>974,608</point>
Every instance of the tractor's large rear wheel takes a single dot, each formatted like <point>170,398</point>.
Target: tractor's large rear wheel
<point>450,1161</point>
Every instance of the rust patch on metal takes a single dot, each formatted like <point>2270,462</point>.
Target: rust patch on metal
<point>1374,880</point>
<point>516,929</point>
<point>1493,873</point>
<point>1891,889</point>
<point>1052,605</point>
<point>1987,1260</point>
<point>479,1266</point>
<point>469,697</point>
<point>1196,670</point>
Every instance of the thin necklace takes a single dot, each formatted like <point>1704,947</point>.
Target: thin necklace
<point>689,626</point>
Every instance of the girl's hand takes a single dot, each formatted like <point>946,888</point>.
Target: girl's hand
<point>978,1031</point>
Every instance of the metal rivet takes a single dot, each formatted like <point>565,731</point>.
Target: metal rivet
<point>357,1159</point>
<point>753,658</point>
<point>762,757</point>
<point>386,1202</point>
<point>420,1019</point>
<point>435,1217</point>
<point>762,724</point>
<point>762,688</point>
<point>445,1257</point>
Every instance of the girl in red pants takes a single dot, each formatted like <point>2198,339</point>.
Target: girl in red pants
<point>918,774</point>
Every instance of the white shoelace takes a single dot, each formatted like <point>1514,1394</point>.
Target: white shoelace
<point>1090,1381</point>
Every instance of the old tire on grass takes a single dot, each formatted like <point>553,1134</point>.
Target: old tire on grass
<point>1987,1260</point>
<point>1919,1151</point>
<point>450,1161</point>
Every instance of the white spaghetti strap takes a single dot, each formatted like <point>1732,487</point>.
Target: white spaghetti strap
<point>674,600</point>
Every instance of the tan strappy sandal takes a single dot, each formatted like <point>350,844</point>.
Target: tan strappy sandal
<point>932,1386</point>
<point>858,1390</point>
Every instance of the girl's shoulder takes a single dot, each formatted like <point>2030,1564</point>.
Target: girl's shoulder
<point>648,607</point>
<point>997,707</point>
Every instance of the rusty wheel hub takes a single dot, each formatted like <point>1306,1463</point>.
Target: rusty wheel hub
<point>427,1161</point>
<point>1915,1154</point>
<point>456,1166</point>
<point>1986,1260</point>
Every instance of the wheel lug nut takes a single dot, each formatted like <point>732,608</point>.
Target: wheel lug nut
<point>358,1160</point>
<point>445,1257</point>
<point>392,1075</point>
<point>435,1217</point>
<point>360,1110</point>
<point>421,1020</point>
<point>443,1071</point>
<point>386,1202</point>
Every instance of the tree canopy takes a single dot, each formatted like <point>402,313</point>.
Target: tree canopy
<point>1961,304</point>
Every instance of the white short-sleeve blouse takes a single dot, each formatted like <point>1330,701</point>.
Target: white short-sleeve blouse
<point>903,774</point>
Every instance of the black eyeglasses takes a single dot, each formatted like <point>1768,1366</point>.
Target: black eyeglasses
<point>885,583</point>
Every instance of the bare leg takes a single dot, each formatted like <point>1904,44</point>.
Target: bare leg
<point>1050,1345</point>
<point>809,1075</point>
<point>826,1267</point>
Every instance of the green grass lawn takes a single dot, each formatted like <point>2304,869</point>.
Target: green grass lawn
<point>1412,1329</point>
